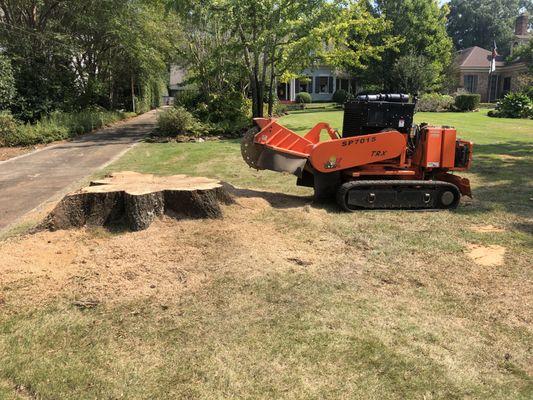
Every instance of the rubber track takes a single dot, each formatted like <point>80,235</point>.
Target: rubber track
<point>346,187</point>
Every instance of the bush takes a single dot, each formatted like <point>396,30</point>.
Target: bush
<point>341,96</point>
<point>178,121</point>
<point>434,102</point>
<point>188,99</point>
<point>467,102</point>
<point>58,126</point>
<point>514,105</point>
<point>7,83</point>
<point>279,109</point>
<point>8,127</point>
<point>87,120</point>
<point>303,98</point>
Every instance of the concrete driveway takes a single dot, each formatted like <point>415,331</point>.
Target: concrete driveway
<point>28,181</point>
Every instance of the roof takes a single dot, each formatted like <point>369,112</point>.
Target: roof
<point>477,57</point>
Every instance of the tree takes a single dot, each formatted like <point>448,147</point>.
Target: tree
<point>267,40</point>
<point>483,22</point>
<point>7,83</point>
<point>524,53</point>
<point>420,26</point>
<point>70,54</point>
<point>414,74</point>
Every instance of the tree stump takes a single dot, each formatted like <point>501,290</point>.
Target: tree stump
<point>134,200</point>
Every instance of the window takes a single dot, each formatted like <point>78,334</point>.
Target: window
<point>303,85</point>
<point>323,84</point>
<point>471,83</point>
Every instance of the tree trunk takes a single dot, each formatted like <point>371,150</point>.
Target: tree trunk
<point>271,90</point>
<point>134,201</point>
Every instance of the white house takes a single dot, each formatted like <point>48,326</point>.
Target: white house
<point>320,82</point>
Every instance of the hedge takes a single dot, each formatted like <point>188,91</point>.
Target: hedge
<point>58,126</point>
<point>467,102</point>
<point>434,102</point>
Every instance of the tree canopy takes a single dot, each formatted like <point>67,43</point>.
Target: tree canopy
<point>420,29</point>
<point>483,22</point>
<point>7,83</point>
<point>72,54</point>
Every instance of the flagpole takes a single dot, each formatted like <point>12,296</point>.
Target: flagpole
<point>488,85</point>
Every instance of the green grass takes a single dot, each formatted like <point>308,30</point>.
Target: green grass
<point>392,307</point>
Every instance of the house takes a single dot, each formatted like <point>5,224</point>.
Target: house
<point>474,66</point>
<point>320,82</point>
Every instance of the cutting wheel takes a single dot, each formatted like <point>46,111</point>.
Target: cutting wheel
<point>251,151</point>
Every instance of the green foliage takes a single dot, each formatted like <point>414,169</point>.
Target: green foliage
<point>279,109</point>
<point>434,102</point>
<point>341,96</point>
<point>514,105</point>
<point>222,114</point>
<point>481,22</point>
<point>188,99</point>
<point>8,127</point>
<point>414,74</point>
<point>78,123</point>
<point>420,29</point>
<point>303,98</point>
<point>7,83</point>
<point>358,37</point>
<point>58,126</point>
<point>524,53</point>
<point>70,55</point>
<point>177,121</point>
<point>467,102</point>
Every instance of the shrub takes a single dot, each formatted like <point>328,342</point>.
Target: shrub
<point>279,109</point>
<point>58,126</point>
<point>341,96</point>
<point>514,105</point>
<point>434,102</point>
<point>8,127</point>
<point>87,120</point>
<point>467,102</point>
<point>303,98</point>
<point>178,121</point>
<point>7,83</point>
<point>188,99</point>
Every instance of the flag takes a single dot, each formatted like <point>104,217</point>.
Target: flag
<point>493,59</point>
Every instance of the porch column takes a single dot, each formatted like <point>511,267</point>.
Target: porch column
<point>293,90</point>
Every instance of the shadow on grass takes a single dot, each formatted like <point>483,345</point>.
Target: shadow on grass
<point>504,172</point>
<point>282,200</point>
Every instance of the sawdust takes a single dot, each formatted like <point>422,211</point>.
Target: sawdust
<point>487,229</point>
<point>487,256</point>
<point>166,259</point>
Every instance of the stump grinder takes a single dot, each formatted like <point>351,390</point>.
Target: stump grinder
<point>381,160</point>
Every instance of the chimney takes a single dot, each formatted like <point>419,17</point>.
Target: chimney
<point>521,25</point>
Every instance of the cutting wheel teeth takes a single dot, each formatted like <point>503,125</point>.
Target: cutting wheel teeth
<point>250,150</point>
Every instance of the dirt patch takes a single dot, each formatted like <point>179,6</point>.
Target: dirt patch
<point>97,266</point>
<point>487,229</point>
<point>487,256</point>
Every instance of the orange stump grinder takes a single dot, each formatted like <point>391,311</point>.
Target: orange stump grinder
<point>381,160</point>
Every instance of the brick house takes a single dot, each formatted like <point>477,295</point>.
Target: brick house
<point>474,65</point>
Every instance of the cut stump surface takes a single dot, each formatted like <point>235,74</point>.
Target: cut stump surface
<point>134,200</point>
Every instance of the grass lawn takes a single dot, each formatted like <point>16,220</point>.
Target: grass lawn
<point>284,298</point>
